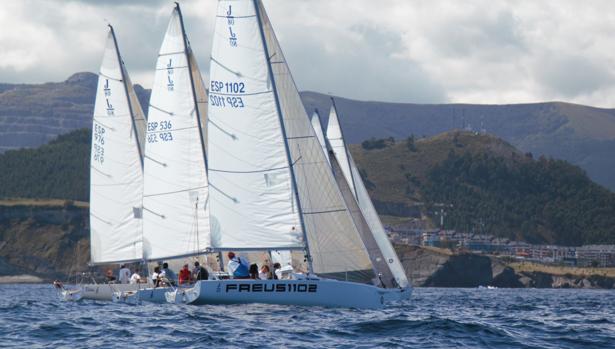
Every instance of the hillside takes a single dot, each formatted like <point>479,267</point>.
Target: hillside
<point>491,186</point>
<point>58,170</point>
<point>32,115</point>
<point>486,185</point>
<point>582,135</point>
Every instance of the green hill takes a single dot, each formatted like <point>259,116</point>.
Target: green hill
<point>486,185</point>
<point>58,170</point>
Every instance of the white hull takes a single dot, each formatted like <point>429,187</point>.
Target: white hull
<point>309,292</point>
<point>153,295</point>
<point>104,292</point>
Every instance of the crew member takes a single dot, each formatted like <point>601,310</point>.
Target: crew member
<point>238,267</point>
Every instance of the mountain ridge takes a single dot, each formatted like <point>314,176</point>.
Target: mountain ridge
<point>32,115</point>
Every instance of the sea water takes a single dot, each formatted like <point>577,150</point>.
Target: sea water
<point>31,316</point>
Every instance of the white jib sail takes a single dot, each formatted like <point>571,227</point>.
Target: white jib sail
<point>252,204</point>
<point>175,199</point>
<point>335,246</point>
<point>319,133</point>
<point>116,172</point>
<point>353,177</point>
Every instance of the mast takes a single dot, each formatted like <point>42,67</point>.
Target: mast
<point>283,129</point>
<point>187,50</point>
<point>121,62</point>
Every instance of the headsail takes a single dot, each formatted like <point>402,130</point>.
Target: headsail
<point>319,132</point>
<point>389,264</point>
<point>334,242</point>
<point>175,199</point>
<point>116,169</point>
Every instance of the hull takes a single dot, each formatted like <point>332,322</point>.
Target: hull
<point>104,292</point>
<point>153,295</point>
<point>309,292</point>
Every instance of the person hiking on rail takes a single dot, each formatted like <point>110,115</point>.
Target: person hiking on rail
<point>238,267</point>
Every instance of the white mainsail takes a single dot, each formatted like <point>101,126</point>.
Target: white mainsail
<point>252,204</point>
<point>319,132</point>
<point>335,249</point>
<point>175,199</point>
<point>351,173</point>
<point>116,169</point>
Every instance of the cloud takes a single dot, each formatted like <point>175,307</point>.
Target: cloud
<point>475,51</point>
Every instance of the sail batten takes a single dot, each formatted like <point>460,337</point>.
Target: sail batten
<point>116,169</point>
<point>176,191</point>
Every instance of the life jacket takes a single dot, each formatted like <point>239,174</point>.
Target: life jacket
<point>242,269</point>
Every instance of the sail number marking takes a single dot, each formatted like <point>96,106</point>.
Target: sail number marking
<point>98,153</point>
<point>227,87</point>
<point>223,102</point>
<point>155,127</point>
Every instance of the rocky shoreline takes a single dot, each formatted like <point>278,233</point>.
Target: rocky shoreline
<point>431,267</point>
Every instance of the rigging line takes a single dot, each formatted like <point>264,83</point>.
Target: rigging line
<point>110,78</point>
<point>173,68</point>
<point>101,172</point>
<point>152,212</point>
<point>98,122</point>
<point>174,192</point>
<point>278,62</point>
<point>174,129</point>
<point>100,219</point>
<point>161,110</point>
<point>257,171</point>
<point>221,129</point>
<point>156,161</point>
<point>170,53</point>
<point>237,74</point>
<point>240,94</point>
<point>223,193</point>
<point>234,17</point>
<point>301,137</point>
<point>329,211</point>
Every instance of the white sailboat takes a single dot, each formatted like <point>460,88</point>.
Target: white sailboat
<point>272,187</point>
<point>395,274</point>
<point>175,197</point>
<point>116,172</point>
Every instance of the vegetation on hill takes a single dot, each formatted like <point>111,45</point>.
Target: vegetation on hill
<point>486,185</point>
<point>482,183</point>
<point>58,170</point>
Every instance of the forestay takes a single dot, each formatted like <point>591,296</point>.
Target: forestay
<point>175,200</point>
<point>388,263</point>
<point>334,242</point>
<point>116,171</point>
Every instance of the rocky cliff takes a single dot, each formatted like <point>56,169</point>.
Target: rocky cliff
<point>432,267</point>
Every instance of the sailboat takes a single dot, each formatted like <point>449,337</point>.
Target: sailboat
<point>116,172</point>
<point>271,186</point>
<point>175,198</point>
<point>338,149</point>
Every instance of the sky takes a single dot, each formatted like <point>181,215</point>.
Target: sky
<point>410,51</point>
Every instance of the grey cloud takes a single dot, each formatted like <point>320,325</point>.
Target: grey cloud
<point>571,76</point>
<point>365,70</point>
<point>472,35</point>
